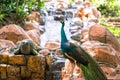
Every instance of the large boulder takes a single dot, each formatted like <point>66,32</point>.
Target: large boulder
<point>102,53</point>
<point>29,26</point>
<point>33,25</point>
<point>13,32</point>
<point>102,34</point>
<point>6,43</point>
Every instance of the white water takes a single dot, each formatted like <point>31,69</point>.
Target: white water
<point>52,30</point>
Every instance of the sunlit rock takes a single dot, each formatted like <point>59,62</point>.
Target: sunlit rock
<point>13,33</point>
<point>103,53</point>
<point>102,34</point>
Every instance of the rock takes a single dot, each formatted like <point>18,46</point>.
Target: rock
<point>114,19</point>
<point>55,70</point>
<point>102,34</point>
<point>34,35</point>
<point>74,29</point>
<point>13,71</point>
<point>4,57</point>
<point>29,26</point>
<point>61,5</point>
<point>82,36</point>
<point>77,22</point>
<point>94,21</point>
<point>3,69</point>
<point>13,33</point>
<point>37,76</point>
<point>25,73</point>
<point>108,71</point>
<point>52,45</point>
<point>102,53</point>
<point>67,72</point>
<point>59,53</point>
<point>34,64</point>
<point>68,69</point>
<point>18,59</point>
<point>13,78</point>
<point>6,43</point>
<point>34,16</point>
<point>44,52</point>
<point>105,55</point>
<point>21,67</point>
<point>76,25</point>
<point>49,60</point>
<point>48,0</point>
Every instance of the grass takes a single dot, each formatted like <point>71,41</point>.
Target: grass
<point>115,30</point>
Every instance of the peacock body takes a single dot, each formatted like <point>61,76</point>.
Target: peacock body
<point>75,53</point>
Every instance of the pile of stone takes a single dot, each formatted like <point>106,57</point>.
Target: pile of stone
<point>103,46</point>
<point>21,67</point>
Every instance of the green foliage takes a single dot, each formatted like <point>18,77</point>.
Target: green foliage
<point>115,31</point>
<point>21,8</point>
<point>110,8</point>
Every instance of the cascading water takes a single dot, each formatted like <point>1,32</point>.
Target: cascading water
<point>52,32</point>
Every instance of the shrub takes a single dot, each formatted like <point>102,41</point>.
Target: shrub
<point>15,11</point>
<point>110,8</point>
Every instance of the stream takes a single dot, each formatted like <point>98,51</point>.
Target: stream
<point>52,33</point>
<point>52,30</point>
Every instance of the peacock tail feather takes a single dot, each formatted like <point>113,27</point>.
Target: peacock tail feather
<point>93,70</point>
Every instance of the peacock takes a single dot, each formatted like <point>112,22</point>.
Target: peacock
<point>76,54</point>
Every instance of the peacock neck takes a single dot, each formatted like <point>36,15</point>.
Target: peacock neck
<point>63,35</point>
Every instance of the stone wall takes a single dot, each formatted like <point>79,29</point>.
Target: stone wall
<point>22,67</point>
